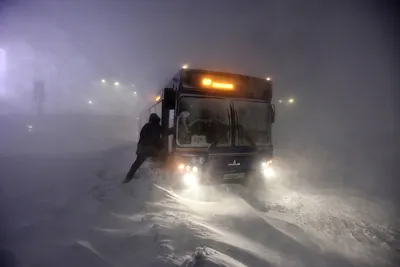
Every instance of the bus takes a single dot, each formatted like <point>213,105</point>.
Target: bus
<point>216,127</point>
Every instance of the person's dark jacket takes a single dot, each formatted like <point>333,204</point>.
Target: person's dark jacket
<point>150,142</point>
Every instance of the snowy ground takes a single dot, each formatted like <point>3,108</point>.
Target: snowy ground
<point>72,210</point>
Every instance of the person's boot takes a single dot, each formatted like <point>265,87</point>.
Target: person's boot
<point>128,178</point>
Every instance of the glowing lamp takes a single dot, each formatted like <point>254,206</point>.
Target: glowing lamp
<point>217,85</point>
<point>207,82</point>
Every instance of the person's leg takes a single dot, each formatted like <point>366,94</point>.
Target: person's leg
<point>135,166</point>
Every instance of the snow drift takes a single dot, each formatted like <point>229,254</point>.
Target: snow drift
<point>72,210</point>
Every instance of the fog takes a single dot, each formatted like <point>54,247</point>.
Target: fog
<point>337,60</point>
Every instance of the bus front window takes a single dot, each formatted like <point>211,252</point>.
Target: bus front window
<point>254,118</point>
<point>201,121</point>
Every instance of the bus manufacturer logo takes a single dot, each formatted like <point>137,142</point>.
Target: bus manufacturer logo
<point>234,163</point>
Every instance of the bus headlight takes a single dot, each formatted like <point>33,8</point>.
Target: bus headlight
<point>265,164</point>
<point>268,172</point>
<point>189,174</point>
<point>190,179</point>
<point>187,168</point>
<point>267,169</point>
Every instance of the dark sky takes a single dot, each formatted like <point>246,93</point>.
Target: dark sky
<point>326,53</point>
<point>289,40</point>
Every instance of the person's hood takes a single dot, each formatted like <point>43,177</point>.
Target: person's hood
<point>154,119</point>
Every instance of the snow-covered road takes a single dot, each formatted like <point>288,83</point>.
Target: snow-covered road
<point>74,211</point>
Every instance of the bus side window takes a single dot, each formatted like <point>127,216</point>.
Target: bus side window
<point>171,118</point>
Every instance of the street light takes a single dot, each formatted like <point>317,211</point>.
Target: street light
<point>103,81</point>
<point>116,83</point>
<point>90,102</point>
<point>268,79</point>
<point>185,66</point>
<point>291,100</point>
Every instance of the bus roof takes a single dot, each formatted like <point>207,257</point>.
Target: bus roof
<point>200,81</point>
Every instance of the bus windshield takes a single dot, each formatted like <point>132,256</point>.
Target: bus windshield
<point>201,121</point>
<point>253,119</point>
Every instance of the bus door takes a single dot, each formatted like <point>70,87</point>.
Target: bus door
<point>168,119</point>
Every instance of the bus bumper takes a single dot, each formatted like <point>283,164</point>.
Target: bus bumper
<point>190,179</point>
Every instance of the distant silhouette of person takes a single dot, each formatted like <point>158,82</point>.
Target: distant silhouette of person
<point>39,96</point>
<point>149,145</point>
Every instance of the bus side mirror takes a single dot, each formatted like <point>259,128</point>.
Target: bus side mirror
<point>272,113</point>
<point>169,98</point>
